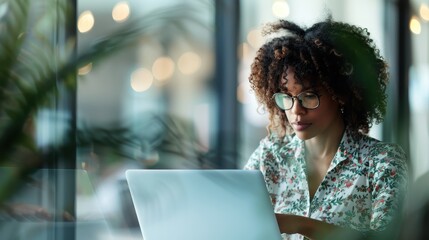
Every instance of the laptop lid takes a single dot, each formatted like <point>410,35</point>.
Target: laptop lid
<point>202,204</point>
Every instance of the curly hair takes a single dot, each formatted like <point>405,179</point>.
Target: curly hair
<point>338,56</point>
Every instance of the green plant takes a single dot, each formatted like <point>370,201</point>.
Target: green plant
<point>36,69</point>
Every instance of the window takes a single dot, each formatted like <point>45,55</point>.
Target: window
<point>164,84</point>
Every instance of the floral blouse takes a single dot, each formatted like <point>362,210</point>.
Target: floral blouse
<point>363,188</point>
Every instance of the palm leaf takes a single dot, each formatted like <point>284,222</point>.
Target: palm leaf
<point>31,70</point>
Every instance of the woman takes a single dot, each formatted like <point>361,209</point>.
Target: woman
<point>323,88</point>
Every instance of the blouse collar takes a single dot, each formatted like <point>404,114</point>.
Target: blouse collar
<point>347,149</point>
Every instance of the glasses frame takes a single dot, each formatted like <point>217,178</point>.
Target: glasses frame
<point>297,97</point>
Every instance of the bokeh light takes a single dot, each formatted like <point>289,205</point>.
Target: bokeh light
<point>280,9</point>
<point>424,12</point>
<point>243,92</point>
<point>415,26</point>
<point>163,68</point>
<point>244,51</point>
<point>121,12</point>
<point>141,80</point>
<point>189,63</point>
<point>254,38</point>
<point>85,69</point>
<point>85,22</point>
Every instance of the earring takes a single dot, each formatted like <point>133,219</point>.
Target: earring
<point>342,110</point>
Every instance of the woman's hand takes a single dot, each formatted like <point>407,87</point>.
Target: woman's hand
<point>289,224</point>
<point>311,228</point>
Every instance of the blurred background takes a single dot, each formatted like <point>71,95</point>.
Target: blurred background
<point>164,85</point>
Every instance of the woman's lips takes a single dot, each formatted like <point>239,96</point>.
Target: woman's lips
<point>301,126</point>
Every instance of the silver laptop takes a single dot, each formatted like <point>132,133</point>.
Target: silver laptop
<point>202,204</point>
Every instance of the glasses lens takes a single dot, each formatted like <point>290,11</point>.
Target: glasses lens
<point>309,100</point>
<point>283,101</point>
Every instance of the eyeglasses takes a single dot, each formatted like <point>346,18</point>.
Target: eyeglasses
<point>308,100</point>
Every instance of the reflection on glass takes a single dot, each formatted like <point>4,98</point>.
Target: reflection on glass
<point>35,213</point>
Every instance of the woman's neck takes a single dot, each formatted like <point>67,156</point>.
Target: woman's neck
<point>325,145</point>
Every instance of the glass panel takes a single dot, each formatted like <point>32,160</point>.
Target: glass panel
<point>149,104</point>
<point>35,212</point>
<point>146,96</point>
<point>35,114</point>
<point>417,208</point>
<point>157,93</point>
<point>419,88</point>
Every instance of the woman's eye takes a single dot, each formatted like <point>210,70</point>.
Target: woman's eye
<point>310,94</point>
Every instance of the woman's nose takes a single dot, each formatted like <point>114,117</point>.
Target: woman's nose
<point>297,107</point>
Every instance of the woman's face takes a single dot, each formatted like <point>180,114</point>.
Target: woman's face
<point>310,123</point>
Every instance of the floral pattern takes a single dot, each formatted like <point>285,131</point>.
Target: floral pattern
<point>363,188</point>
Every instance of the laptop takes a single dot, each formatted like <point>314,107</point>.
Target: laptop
<point>202,204</point>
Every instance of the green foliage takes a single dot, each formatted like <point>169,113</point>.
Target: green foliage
<point>37,66</point>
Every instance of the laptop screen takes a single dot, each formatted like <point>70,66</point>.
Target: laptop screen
<point>202,204</point>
